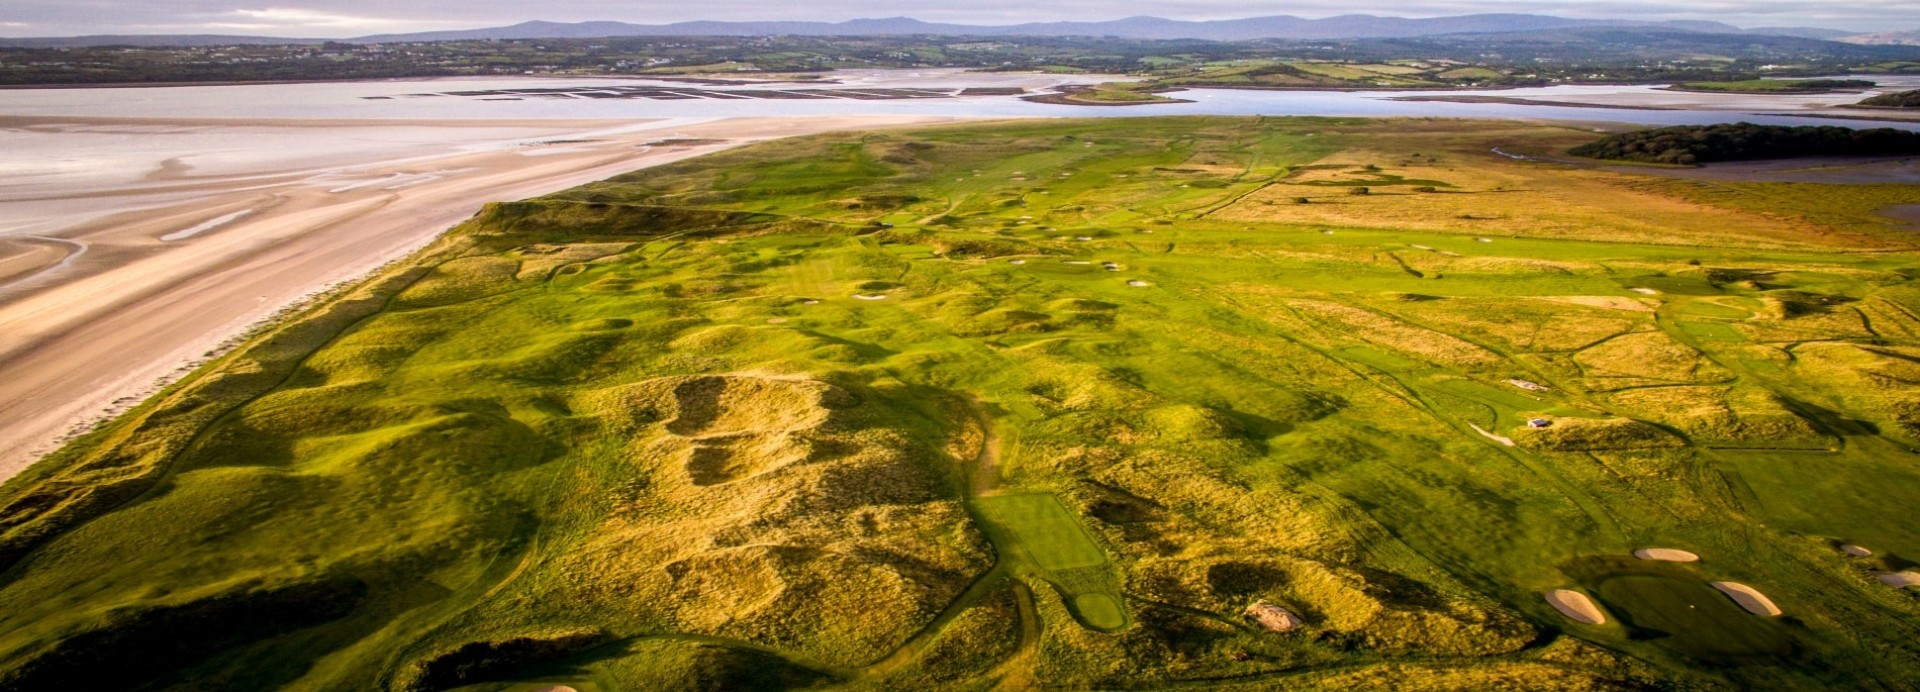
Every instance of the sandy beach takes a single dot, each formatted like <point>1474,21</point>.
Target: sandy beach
<point>123,264</point>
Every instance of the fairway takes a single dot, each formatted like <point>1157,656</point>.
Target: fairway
<point>1045,531</point>
<point>1033,404</point>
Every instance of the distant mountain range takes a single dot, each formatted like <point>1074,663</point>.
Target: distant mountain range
<point>1886,38</point>
<point>1277,27</point>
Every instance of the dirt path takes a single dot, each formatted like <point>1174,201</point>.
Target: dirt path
<point>986,467</point>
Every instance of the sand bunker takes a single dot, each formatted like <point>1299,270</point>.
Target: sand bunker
<point>1666,555</point>
<point>1645,291</point>
<point>1855,550</point>
<point>1136,283</point>
<point>1016,261</point>
<point>870,296</point>
<point>1748,598</point>
<point>1899,580</point>
<point>1576,606</point>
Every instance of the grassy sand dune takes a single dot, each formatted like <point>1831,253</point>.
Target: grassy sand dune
<point>655,432</point>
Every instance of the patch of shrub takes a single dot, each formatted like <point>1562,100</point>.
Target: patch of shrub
<point>1691,144</point>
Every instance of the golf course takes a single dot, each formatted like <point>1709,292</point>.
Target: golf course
<point>1117,403</point>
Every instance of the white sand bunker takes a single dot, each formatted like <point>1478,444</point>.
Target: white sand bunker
<point>1483,240</point>
<point>1272,617</point>
<point>1076,262</point>
<point>1666,555</point>
<point>1016,261</point>
<point>1748,598</point>
<point>870,296</point>
<point>1855,550</point>
<point>1576,606</point>
<point>1645,291</point>
<point>1899,580</point>
<point>1136,283</point>
<point>1083,238</point>
<point>809,301</point>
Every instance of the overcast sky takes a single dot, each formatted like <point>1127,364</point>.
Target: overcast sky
<point>344,18</point>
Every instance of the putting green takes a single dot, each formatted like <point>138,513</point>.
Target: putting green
<point>1100,611</point>
<point>1691,617</point>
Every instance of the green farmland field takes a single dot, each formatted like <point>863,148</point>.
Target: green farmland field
<point>1037,404</point>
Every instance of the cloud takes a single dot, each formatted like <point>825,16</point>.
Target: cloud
<point>279,16</point>
<point>343,18</point>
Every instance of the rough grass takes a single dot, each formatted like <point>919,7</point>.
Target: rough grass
<point>642,435</point>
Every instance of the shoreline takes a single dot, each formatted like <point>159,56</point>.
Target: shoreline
<point>1910,117</point>
<point>1515,101</point>
<point>100,337</point>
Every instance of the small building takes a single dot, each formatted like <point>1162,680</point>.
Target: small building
<point>1539,423</point>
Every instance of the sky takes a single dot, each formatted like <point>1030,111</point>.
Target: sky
<point>347,18</point>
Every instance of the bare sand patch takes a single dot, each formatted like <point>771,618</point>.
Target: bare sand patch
<point>1899,580</point>
<point>1502,439</point>
<point>1607,302</point>
<point>1748,597</point>
<point>1855,550</point>
<point>1665,555</point>
<point>1272,617</point>
<point>1576,606</point>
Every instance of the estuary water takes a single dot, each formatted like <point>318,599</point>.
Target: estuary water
<point>432,99</point>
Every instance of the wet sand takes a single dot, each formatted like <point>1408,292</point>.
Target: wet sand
<point>121,267</point>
